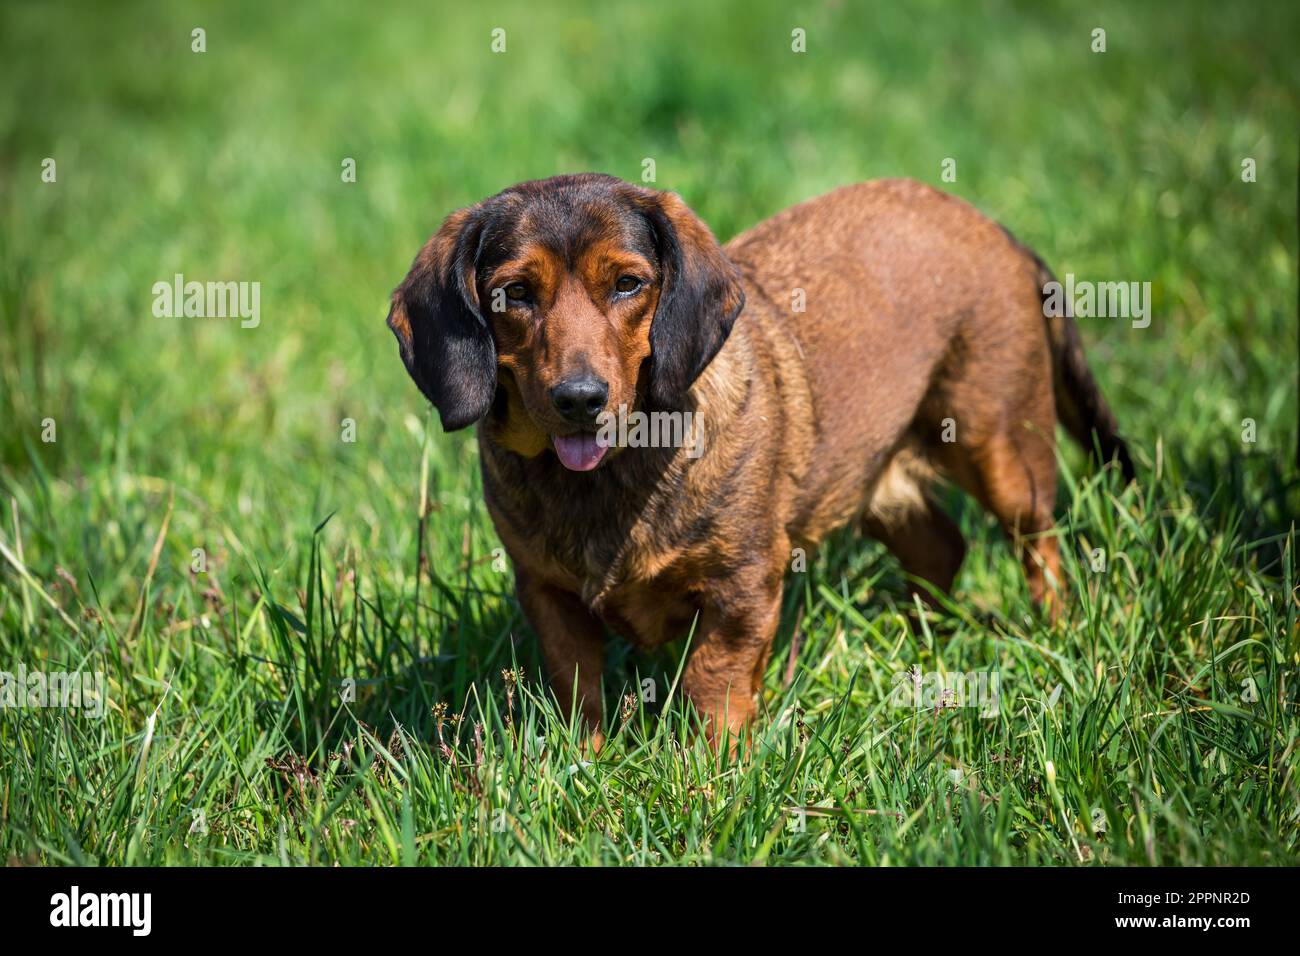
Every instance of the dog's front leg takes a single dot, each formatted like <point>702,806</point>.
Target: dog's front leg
<point>573,648</point>
<point>725,670</point>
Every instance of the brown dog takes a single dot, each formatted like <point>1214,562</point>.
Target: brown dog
<point>838,356</point>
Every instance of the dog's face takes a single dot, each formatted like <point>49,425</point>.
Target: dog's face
<point>559,300</point>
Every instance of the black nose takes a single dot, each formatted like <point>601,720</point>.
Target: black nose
<point>580,400</point>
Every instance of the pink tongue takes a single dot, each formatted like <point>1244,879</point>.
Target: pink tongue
<point>578,452</point>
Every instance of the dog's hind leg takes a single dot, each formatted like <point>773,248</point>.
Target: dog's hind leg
<point>904,518</point>
<point>1013,475</point>
<point>927,543</point>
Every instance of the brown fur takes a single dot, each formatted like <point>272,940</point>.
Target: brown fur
<point>919,310</point>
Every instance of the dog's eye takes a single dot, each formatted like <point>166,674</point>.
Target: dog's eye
<point>517,292</point>
<point>627,285</point>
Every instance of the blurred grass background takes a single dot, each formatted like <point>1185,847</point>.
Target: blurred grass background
<point>225,165</point>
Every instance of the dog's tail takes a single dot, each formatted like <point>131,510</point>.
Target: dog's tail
<point>1080,405</point>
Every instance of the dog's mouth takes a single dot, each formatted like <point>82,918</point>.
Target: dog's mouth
<point>579,451</point>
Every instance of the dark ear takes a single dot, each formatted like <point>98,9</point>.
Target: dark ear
<point>699,299</point>
<point>444,340</point>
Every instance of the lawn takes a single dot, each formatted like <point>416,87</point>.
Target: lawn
<point>284,571</point>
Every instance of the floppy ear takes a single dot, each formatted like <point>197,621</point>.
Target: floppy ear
<point>699,300</point>
<point>444,340</point>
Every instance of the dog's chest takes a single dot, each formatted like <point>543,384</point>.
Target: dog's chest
<point>626,578</point>
<point>622,571</point>
<point>647,614</point>
<point>621,579</point>
<point>616,540</point>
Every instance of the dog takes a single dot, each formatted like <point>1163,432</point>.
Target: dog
<point>841,356</point>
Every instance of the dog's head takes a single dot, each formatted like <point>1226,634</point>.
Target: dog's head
<point>558,300</point>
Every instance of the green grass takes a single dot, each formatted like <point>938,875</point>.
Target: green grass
<point>176,434</point>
